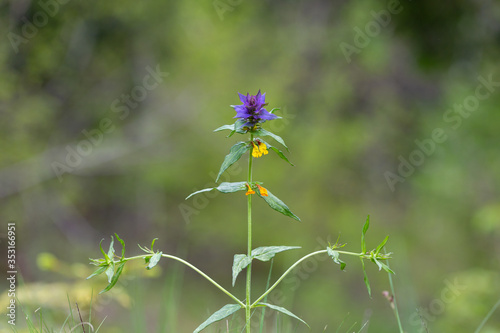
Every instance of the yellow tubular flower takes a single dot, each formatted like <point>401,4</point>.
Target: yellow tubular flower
<point>262,191</point>
<point>259,149</point>
<point>250,191</point>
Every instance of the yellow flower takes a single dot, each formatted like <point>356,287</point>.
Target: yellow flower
<point>250,191</point>
<point>262,191</point>
<point>259,149</point>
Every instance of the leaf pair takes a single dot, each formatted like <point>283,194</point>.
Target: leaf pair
<point>265,253</point>
<point>240,148</point>
<point>229,309</point>
<point>273,201</point>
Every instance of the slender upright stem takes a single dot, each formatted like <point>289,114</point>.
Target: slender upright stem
<point>395,308</point>
<point>248,307</point>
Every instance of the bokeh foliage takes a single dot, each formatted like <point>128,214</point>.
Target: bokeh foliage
<point>346,123</point>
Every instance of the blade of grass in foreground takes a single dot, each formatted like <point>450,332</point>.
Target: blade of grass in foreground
<point>265,298</point>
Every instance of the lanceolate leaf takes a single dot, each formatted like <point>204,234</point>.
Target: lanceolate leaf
<point>115,277</point>
<point>381,245</point>
<point>240,262</point>
<point>264,132</point>
<point>236,127</point>
<point>280,154</point>
<point>234,155</point>
<point>224,312</point>
<point>365,277</point>
<point>122,242</point>
<point>365,229</point>
<point>110,271</point>
<point>224,188</point>
<point>283,310</point>
<point>224,127</point>
<point>277,151</point>
<point>277,204</point>
<point>266,253</point>
<point>111,251</point>
<point>98,271</point>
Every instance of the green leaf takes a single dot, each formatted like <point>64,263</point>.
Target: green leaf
<point>365,229</point>
<point>224,127</point>
<point>153,243</point>
<point>145,249</point>
<point>110,271</point>
<point>277,151</point>
<point>224,312</point>
<point>381,245</point>
<point>283,310</point>
<point>234,128</point>
<point>231,187</point>
<point>266,253</point>
<point>154,260</point>
<point>264,132</point>
<point>111,251</point>
<point>100,270</point>
<point>122,242</point>
<point>114,280</point>
<point>102,250</point>
<point>277,204</point>
<point>234,155</point>
<point>386,268</point>
<point>223,188</point>
<point>336,257</point>
<point>274,109</point>
<point>365,277</point>
<point>240,262</point>
<point>280,154</point>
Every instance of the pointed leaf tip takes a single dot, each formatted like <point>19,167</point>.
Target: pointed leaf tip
<point>234,155</point>
<point>278,205</point>
<point>240,262</point>
<point>284,311</point>
<point>224,312</point>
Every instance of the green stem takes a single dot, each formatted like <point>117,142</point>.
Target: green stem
<point>249,248</point>
<point>295,265</point>
<point>263,315</point>
<point>395,309</point>
<point>198,271</point>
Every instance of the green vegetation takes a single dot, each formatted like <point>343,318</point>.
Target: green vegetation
<point>105,111</point>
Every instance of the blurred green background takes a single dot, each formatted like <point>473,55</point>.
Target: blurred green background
<point>362,87</point>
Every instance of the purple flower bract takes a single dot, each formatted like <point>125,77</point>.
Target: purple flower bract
<point>252,111</point>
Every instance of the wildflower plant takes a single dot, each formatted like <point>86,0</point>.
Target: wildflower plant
<point>250,116</point>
